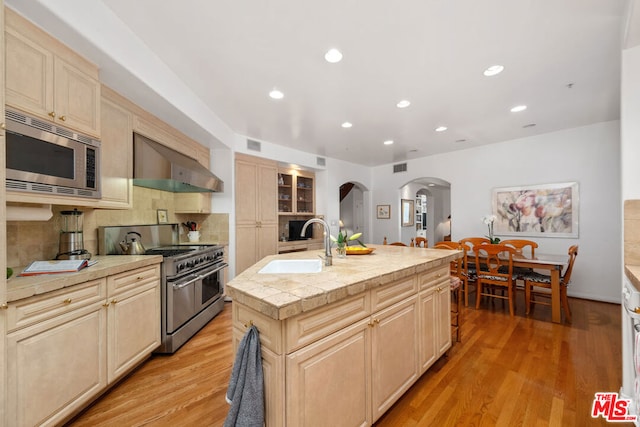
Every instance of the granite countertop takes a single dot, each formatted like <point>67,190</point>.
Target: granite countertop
<point>280,296</point>
<point>107,265</point>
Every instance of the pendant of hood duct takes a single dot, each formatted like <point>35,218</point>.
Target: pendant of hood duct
<point>161,168</point>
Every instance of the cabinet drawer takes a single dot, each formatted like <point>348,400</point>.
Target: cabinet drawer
<point>39,308</point>
<point>270,329</point>
<point>309,327</point>
<point>132,279</point>
<point>387,295</point>
<point>433,277</point>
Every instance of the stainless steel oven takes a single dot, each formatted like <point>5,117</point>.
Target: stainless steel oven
<point>187,295</point>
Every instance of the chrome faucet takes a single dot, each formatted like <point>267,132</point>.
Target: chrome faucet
<point>328,259</point>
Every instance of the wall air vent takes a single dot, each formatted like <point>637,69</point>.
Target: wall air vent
<point>321,161</point>
<point>400,167</point>
<point>253,145</point>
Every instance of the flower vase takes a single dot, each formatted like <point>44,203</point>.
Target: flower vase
<point>341,250</point>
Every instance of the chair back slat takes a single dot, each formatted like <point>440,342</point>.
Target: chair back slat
<point>573,253</point>
<point>491,260</point>
<point>520,245</point>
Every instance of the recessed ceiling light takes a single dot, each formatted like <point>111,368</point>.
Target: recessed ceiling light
<point>388,142</point>
<point>333,56</point>
<point>441,128</point>
<point>431,184</point>
<point>276,94</point>
<point>461,140</point>
<point>530,125</point>
<point>346,125</point>
<point>518,108</point>
<point>403,104</point>
<point>493,70</point>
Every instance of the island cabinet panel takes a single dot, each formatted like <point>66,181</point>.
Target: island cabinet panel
<point>394,353</point>
<point>347,362</point>
<point>273,371</point>
<point>271,330</point>
<point>435,315</point>
<point>428,320</point>
<point>386,295</point>
<point>311,326</point>
<point>329,382</point>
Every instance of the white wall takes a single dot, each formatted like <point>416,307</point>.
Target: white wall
<point>588,155</point>
<point>629,116</point>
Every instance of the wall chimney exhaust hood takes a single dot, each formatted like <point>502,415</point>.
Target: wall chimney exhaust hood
<point>161,168</point>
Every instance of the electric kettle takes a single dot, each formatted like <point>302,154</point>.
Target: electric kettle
<point>134,247</point>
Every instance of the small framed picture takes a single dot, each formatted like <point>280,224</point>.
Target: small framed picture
<point>384,211</point>
<point>162,216</point>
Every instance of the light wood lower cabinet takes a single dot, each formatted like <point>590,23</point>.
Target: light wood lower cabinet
<point>133,319</point>
<point>66,347</point>
<point>347,363</point>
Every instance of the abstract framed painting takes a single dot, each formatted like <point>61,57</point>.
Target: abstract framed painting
<point>547,210</point>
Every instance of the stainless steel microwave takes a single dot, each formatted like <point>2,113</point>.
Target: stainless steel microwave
<point>49,159</point>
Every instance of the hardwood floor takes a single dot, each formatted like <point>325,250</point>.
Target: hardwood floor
<point>506,371</point>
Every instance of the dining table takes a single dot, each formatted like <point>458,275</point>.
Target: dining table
<point>554,264</point>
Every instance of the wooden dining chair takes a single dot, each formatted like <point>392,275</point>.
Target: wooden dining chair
<point>522,247</point>
<point>469,276</point>
<point>536,284</point>
<point>421,242</point>
<point>495,271</point>
<point>455,278</point>
<point>384,242</point>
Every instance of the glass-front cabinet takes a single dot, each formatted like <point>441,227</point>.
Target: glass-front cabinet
<point>296,193</point>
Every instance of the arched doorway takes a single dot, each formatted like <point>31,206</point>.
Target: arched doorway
<point>352,211</point>
<point>435,221</point>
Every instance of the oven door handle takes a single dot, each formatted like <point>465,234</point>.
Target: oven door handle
<point>215,270</point>
<point>177,286</point>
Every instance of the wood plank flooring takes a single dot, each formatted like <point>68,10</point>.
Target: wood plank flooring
<point>523,371</point>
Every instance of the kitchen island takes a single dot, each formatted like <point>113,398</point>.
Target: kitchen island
<point>340,346</point>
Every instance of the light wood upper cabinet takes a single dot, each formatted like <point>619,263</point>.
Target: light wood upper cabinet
<point>46,79</point>
<point>117,156</point>
<point>296,192</point>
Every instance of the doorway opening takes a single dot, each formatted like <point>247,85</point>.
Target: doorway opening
<point>352,200</point>
<point>432,209</point>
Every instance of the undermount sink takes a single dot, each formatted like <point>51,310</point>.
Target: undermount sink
<point>283,266</point>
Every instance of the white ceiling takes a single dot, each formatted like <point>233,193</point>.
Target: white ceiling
<point>230,54</point>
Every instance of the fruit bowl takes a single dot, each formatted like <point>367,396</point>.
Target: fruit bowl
<point>359,250</point>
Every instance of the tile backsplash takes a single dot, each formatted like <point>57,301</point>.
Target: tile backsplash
<point>37,240</point>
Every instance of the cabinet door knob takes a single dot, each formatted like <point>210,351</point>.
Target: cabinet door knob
<point>3,125</point>
<point>52,114</point>
<point>114,301</point>
<point>63,118</point>
<point>67,301</point>
<point>106,304</point>
<point>4,306</point>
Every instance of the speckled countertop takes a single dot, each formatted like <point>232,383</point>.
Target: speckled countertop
<point>633,274</point>
<point>280,296</point>
<point>24,287</point>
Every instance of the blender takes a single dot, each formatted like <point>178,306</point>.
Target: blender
<point>71,244</point>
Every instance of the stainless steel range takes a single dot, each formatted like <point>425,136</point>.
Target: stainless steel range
<point>192,287</point>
